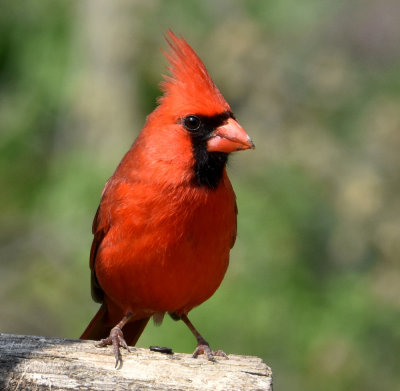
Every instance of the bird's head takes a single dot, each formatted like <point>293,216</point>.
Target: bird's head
<point>197,104</point>
<point>194,118</point>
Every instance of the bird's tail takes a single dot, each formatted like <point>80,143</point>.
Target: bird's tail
<point>100,327</point>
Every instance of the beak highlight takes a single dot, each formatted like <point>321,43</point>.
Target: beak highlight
<point>228,138</point>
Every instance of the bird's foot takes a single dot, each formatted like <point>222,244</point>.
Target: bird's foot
<point>116,339</point>
<point>202,345</point>
<point>204,348</point>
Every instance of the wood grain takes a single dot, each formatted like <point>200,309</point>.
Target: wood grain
<point>42,363</point>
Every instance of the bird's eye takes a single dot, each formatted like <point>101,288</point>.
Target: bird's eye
<point>192,123</point>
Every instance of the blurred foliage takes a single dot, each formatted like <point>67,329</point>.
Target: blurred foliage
<point>314,281</point>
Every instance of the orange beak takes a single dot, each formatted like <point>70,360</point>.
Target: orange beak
<point>228,138</point>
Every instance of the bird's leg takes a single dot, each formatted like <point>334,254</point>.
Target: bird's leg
<point>202,345</point>
<point>116,339</point>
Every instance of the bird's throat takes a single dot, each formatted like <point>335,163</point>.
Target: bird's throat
<point>208,166</point>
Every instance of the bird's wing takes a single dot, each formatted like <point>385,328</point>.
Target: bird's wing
<point>96,290</point>
<point>100,228</point>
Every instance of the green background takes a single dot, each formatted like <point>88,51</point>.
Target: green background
<point>314,282</point>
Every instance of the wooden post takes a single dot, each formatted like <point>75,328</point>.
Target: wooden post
<point>42,363</point>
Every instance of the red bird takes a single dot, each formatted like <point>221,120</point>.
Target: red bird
<point>167,217</point>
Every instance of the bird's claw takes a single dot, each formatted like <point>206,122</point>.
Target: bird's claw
<point>204,348</point>
<point>116,339</point>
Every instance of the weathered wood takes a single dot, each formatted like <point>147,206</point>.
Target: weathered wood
<point>42,363</point>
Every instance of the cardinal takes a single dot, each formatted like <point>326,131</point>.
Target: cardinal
<point>167,216</point>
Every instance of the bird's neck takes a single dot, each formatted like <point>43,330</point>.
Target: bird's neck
<point>208,167</point>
